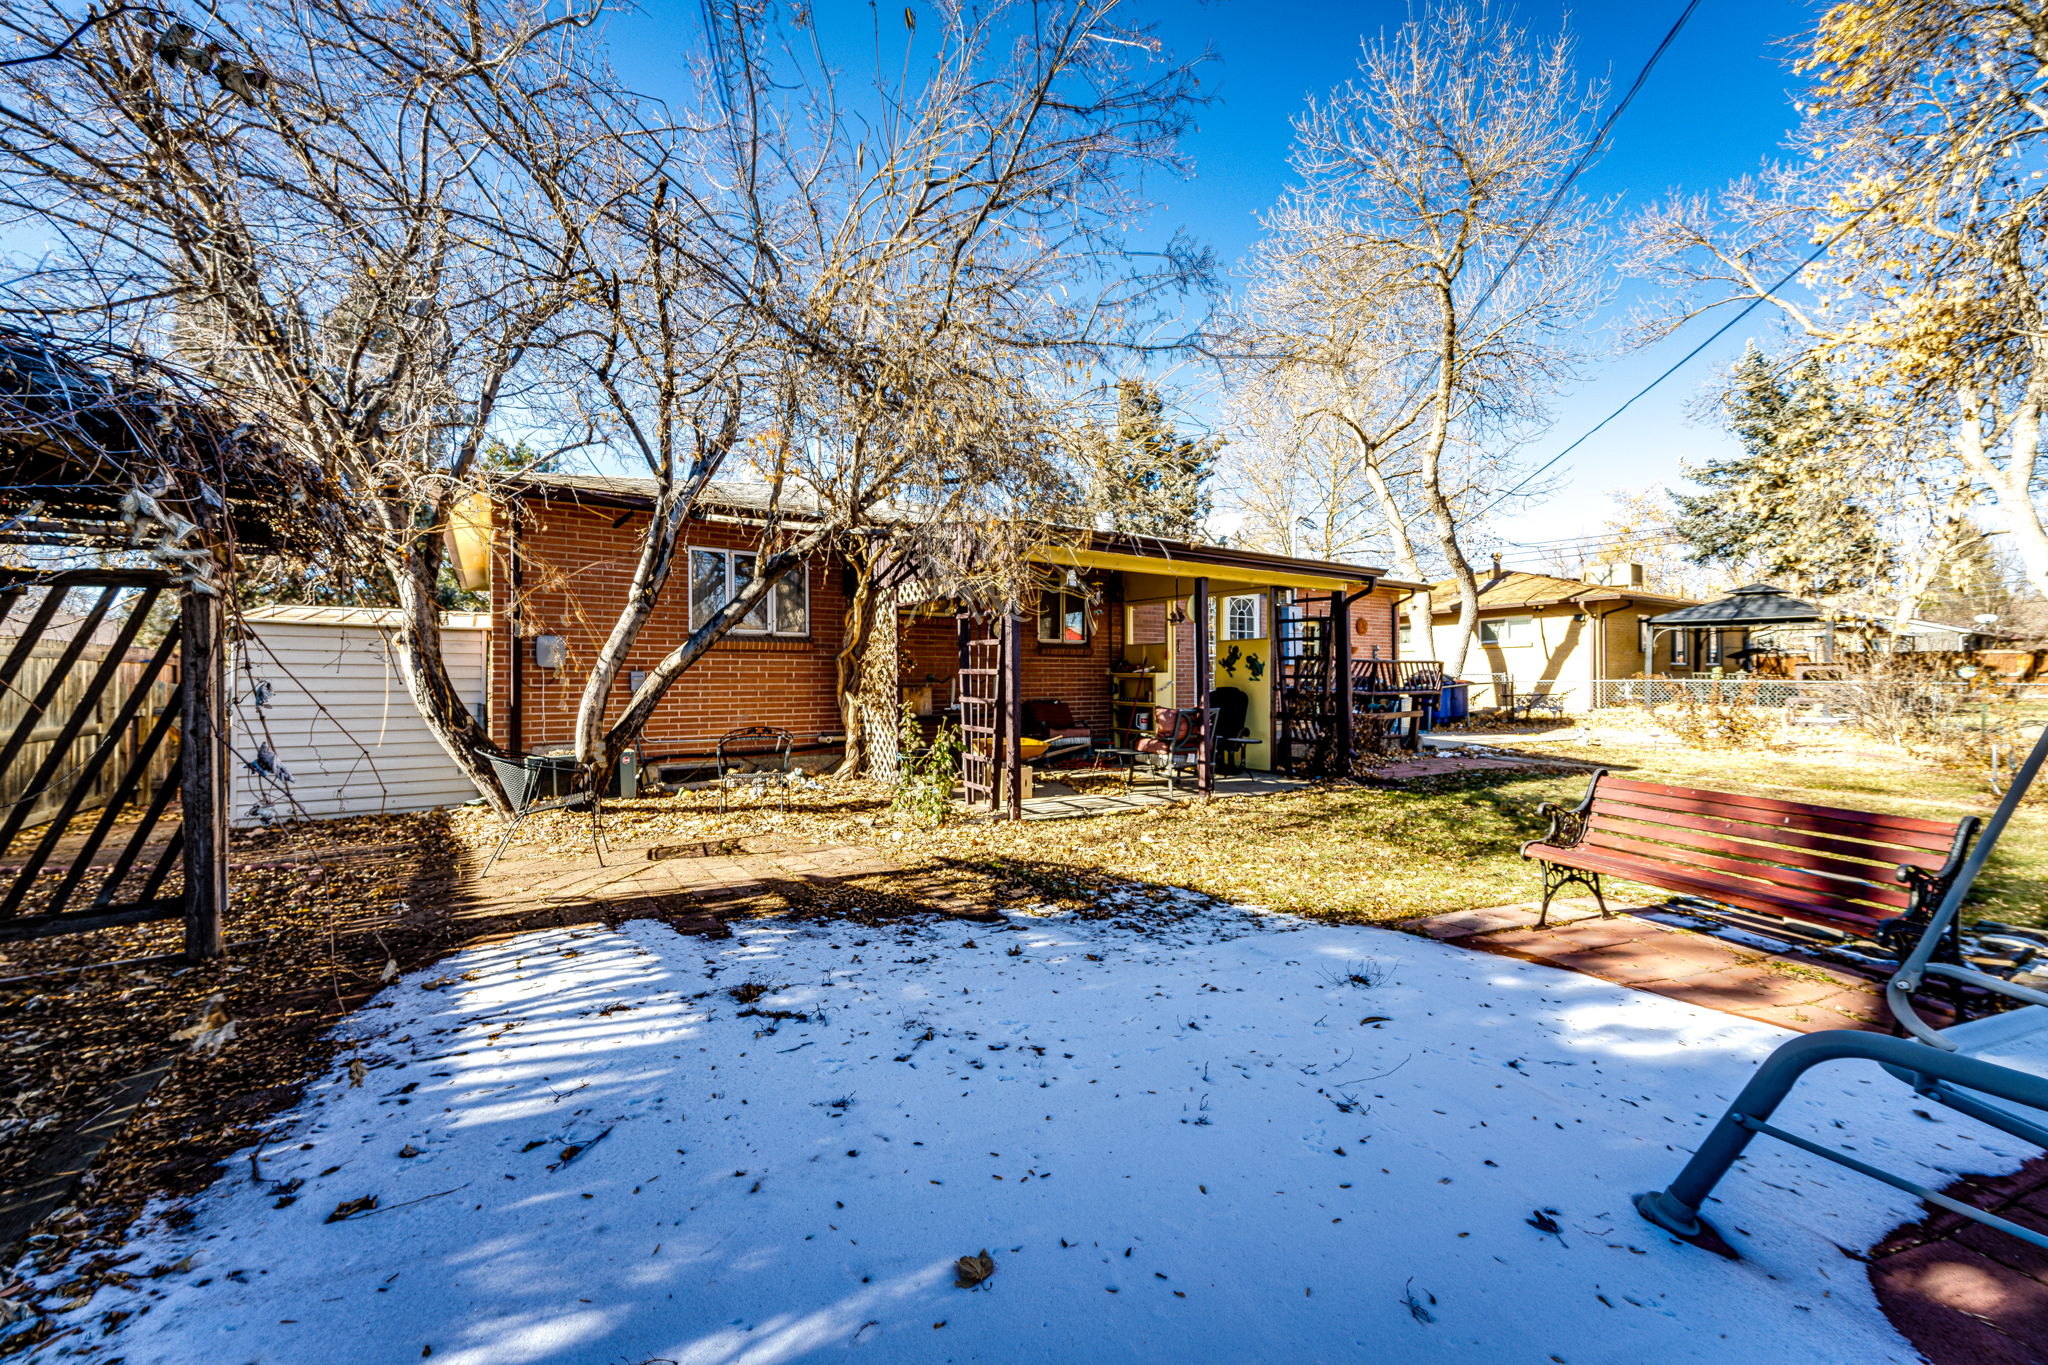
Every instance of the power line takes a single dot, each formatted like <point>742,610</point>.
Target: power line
<point>1592,149</point>
<point>1820,250</point>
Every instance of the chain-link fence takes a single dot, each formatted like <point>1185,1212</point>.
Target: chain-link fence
<point>1812,693</point>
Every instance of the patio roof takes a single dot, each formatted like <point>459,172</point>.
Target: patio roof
<point>1758,604</point>
<point>1519,590</point>
<point>1186,559</point>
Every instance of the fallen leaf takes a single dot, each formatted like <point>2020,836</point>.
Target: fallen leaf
<point>408,1150</point>
<point>970,1271</point>
<point>349,1208</point>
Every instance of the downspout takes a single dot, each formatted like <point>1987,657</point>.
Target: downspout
<point>515,620</point>
<point>1394,615</point>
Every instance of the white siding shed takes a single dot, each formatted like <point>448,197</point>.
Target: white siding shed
<point>323,726</point>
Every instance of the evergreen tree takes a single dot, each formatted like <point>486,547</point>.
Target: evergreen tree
<point>1151,480</point>
<point>1784,509</point>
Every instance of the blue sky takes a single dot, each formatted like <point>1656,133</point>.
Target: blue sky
<point>1718,105</point>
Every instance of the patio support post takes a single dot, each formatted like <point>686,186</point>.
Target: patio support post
<point>203,765</point>
<point>963,631</point>
<point>1205,752</point>
<point>1013,712</point>
<point>1340,677</point>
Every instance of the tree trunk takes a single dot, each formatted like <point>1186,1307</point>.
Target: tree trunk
<point>1433,496</point>
<point>425,673</point>
<point>860,620</point>
<point>1421,624</point>
<point>2010,483</point>
<point>650,576</point>
<point>678,661</point>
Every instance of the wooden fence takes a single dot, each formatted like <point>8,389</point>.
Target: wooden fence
<point>103,778</point>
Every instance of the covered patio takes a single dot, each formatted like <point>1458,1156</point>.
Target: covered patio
<point>1198,664</point>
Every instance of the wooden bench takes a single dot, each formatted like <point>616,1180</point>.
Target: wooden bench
<point>1868,876</point>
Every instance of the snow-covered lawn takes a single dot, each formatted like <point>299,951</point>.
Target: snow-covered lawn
<point>1238,1138</point>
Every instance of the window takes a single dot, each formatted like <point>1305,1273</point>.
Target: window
<point>1678,654</point>
<point>1407,634</point>
<point>1241,618</point>
<point>1710,652</point>
<point>1506,630</point>
<point>1063,618</point>
<point>717,575</point>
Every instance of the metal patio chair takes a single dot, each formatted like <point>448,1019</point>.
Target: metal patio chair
<point>1993,1069</point>
<point>534,783</point>
<point>754,758</point>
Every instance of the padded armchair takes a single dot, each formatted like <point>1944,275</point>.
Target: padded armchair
<point>1175,744</point>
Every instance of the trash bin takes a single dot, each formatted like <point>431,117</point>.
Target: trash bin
<point>1456,704</point>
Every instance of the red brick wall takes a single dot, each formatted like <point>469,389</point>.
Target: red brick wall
<point>1374,623</point>
<point>576,570</point>
<point>1078,674</point>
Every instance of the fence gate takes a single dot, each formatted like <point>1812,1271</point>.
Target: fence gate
<point>109,695</point>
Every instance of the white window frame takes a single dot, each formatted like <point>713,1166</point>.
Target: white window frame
<point>1069,599</point>
<point>1505,631</point>
<point>1257,603</point>
<point>768,608</point>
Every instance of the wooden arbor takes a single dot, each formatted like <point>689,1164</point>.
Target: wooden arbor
<point>128,495</point>
<point>1333,712</point>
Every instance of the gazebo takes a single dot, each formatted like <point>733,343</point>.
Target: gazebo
<point>1759,606</point>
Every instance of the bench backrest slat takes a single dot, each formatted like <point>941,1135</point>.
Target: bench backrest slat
<point>1900,824</point>
<point>1748,895</point>
<point>1879,900</point>
<point>1775,835</point>
<point>1848,877</point>
<point>1890,830</point>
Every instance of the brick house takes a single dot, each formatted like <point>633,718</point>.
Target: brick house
<point>1118,634</point>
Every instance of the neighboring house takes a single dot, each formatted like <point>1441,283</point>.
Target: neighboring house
<point>563,550</point>
<point>1539,633</point>
<point>323,725</point>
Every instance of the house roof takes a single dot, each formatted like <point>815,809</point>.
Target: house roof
<point>1164,555</point>
<point>1758,604</point>
<point>1516,590</point>
<point>383,618</point>
<point>607,490</point>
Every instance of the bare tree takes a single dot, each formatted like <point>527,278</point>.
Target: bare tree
<point>922,290</point>
<point>399,233</point>
<point>349,219</point>
<point>1902,245</point>
<point>1420,281</point>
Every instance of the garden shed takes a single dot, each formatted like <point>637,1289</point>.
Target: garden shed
<point>323,724</point>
